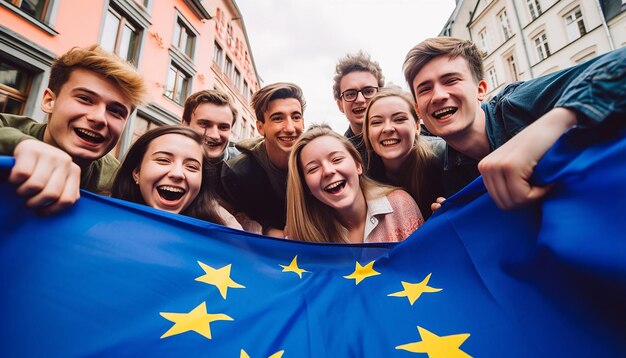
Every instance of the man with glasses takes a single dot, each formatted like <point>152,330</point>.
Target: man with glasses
<point>357,79</point>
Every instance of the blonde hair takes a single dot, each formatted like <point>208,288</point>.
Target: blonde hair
<point>95,59</point>
<point>421,156</point>
<point>308,219</point>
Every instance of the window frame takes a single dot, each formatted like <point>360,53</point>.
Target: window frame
<point>184,88</point>
<point>574,23</point>
<point>505,25</point>
<point>542,47</point>
<point>534,7</point>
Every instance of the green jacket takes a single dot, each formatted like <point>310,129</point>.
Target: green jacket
<point>97,177</point>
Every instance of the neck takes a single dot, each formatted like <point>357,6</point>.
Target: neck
<point>278,158</point>
<point>473,140</point>
<point>356,128</point>
<point>353,218</point>
<point>395,167</point>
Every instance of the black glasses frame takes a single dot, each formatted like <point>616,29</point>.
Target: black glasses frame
<point>361,91</point>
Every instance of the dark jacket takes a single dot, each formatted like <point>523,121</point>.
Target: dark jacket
<point>253,185</point>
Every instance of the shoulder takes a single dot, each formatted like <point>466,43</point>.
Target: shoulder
<point>401,200</point>
<point>241,165</point>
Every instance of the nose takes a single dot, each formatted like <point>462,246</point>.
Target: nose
<point>177,171</point>
<point>328,169</point>
<point>211,133</point>
<point>360,97</point>
<point>289,126</point>
<point>388,127</point>
<point>97,116</point>
<point>439,93</point>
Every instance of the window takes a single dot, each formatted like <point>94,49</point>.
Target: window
<point>183,38</point>
<point>510,62</point>
<point>534,8</point>
<point>504,23</point>
<point>14,88</point>
<point>218,55</point>
<point>177,85</point>
<point>574,24</point>
<point>541,44</point>
<point>34,8</point>
<point>237,79</point>
<point>246,90</point>
<point>120,36</point>
<point>484,42</point>
<point>229,67</point>
<point>493,78</point>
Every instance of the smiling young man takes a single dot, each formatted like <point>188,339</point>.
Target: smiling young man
<point>357,79</point>
<point>89,97</point>
<point>212,114</point>
<point>255,182</point>
<point>511,132</point>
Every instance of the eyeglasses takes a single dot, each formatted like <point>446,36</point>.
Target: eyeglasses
<point>351,94</point>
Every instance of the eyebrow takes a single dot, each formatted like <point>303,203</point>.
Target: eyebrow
<point>171,155</point>
<point>449,74</point>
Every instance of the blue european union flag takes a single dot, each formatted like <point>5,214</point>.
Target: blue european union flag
<point>113,278</point>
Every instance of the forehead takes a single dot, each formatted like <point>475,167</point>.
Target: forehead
<point>357,80</point>
<point>177,144</point>
<point>94,82</point>
<point>391,104</point>
<point>321,147</point>
<point>284,105</point>
<point>213,112</point>
<point>441,66</point>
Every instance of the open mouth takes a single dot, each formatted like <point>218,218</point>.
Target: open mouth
<point>443,113</point>
<point>214,144</point>
<point>335,187</point>
<point>288,140</point>
<point>170,193</point>
<point>359,110</point>
<point>388,142</point>
<point>89,136</point>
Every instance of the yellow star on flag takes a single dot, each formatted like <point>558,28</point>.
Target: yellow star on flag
<point>198,320</point>
<point>293,267</point>
<point>437,346</point>
<point>362,272</point>
<point>278,354</point>
<point>413,291</point>
<point>219,278</point>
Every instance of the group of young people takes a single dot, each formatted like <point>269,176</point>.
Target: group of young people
<point>401,156</point>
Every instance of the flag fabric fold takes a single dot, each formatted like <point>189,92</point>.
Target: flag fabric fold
<point>108,277</point>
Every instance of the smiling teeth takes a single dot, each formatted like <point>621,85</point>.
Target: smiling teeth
<point>444,112</point>
<point>390,141</point>
<point>287,139</point>
<point>333,185</point>
<point>173,189</point>
<point>88,133</point>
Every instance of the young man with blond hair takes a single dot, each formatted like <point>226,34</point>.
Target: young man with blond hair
<point>255,182</point>
<point>357,79</point>
<point>90,95</point>
<point>504,138</point>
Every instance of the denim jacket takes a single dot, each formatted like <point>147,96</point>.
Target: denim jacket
<point>595,90</point>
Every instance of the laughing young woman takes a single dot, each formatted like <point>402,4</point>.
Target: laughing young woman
<point>408,160</point>
<point>165,169</point>
<point>330,200</point>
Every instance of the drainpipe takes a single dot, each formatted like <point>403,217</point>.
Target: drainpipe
<point>521,35</point>
<point>605,25</point>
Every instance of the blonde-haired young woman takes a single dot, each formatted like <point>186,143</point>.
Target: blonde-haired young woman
<point>329,199</point>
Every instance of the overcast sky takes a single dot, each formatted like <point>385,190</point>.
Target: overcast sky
<point>300,41</point>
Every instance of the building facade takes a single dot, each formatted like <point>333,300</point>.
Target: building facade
<point>524,39</point>
<point>179,47</point>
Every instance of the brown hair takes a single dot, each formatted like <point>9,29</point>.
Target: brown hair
<point>452,47</point>
<point>280,90</point>
<point>95,59</point>
<point>352,63</point>
<point>308,219</point>
<point>216,97</point>
<point>421,156</point>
